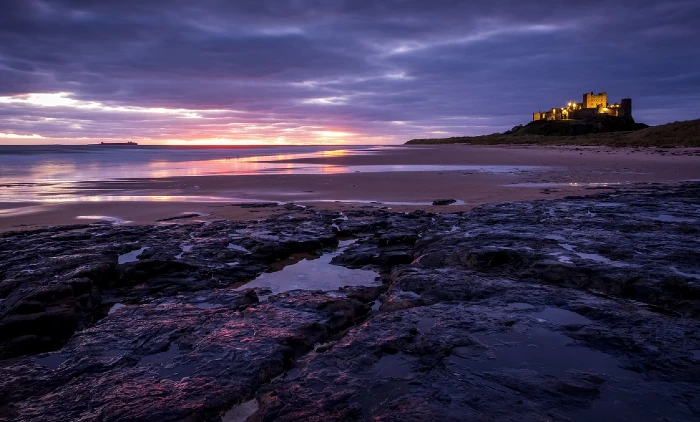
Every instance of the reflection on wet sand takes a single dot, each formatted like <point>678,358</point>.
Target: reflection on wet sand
<point>51,181</point>
<point>556,184</point>
<point>46,179</point>
<point>124,198</point>
<point>106,218</point>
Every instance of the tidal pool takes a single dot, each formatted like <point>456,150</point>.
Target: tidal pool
<point>315,274</point>
<point>132,256</point>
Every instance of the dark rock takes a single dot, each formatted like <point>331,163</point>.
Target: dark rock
<point>583,308</point>
<point>180,217</point>
<point>256,205</point>
<point>444,201</point>
<point>193,362</point>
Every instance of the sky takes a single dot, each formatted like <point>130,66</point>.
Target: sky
<point>331,71</point>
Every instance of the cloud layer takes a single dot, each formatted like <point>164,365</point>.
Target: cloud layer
<point>319,71</point>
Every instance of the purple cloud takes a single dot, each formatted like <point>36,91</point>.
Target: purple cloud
<point>290,71</point>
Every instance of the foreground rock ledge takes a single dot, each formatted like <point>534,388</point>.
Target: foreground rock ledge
<point>577,309</point>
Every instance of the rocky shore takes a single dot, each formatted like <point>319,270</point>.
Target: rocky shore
<point>583,308</point>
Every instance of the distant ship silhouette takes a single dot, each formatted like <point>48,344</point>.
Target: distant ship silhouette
<point>128,144</point>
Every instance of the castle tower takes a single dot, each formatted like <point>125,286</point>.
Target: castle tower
<point>626,107</point>
<point>591,100</point>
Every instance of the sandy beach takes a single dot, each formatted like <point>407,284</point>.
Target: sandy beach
<point>400,179</point>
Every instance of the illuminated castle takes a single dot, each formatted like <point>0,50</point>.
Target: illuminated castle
<point>593,104</point>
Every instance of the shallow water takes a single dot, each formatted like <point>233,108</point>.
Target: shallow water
<point>594,257</point>
<point>368,201</point>
<point>131,256</point>
<point>107,218</point>
<point>551,353</point>
<point>684,274</point>
<point>555,184</point>
<point>184,248</point>
<point>379,203</point>
<point>115,308</point>
<point>51,360</point>
<point>610,205</point>
<point>238,248</point>
<point>561,316</point>
<point>314,274</point>
<point>600,259</point>
<point>53,173</point>
<point>541,350</point>
<point>666,218</point>
<point>167,367</point>
<point>241,412</point>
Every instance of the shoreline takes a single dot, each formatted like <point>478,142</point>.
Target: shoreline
<point>557,172</point>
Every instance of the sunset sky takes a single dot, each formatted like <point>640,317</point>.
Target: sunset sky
<point>331,71</point>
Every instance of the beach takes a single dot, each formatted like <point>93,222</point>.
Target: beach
<point>216,183</point>
<point>353,283</point>
<point>349,211</point>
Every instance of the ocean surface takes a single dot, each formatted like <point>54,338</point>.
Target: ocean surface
<point>45,173</point>
<point>62,163</point>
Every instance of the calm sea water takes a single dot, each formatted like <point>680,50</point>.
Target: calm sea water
<point>52,173</point>
<point>37,164</point>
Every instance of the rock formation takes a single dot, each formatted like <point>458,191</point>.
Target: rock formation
<point>586,308</point>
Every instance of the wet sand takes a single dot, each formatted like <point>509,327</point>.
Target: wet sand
<point>561,171</point>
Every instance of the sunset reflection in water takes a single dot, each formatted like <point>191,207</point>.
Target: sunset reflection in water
<point>239,166</point>
<point>54,177</point>
<point>94,174</point>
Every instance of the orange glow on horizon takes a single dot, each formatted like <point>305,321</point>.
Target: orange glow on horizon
<point>170,126</point>
<point>335,153</point>
<point>313,138</point>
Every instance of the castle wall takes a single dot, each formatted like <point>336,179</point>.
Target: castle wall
<point>584,113</point>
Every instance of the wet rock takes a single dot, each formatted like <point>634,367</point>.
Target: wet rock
<point>370,252</point>
<point>180,217</point>
<point>484,362</point>
<point>485,258</point>
<point>585,308</point>
<point>444,201</point>
<point>363,294</point>
<point>256,205</point>
<point>84,284</point>
<point>394,257</point>
<point>171,362</point>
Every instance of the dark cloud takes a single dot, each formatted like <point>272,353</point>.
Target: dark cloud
<point>389,69</point>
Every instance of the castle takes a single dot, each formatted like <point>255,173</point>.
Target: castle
<point>592,105</point>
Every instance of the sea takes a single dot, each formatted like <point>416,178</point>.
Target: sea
<point>52,173</point>
<point>41,172</point>
<point>49,163</point>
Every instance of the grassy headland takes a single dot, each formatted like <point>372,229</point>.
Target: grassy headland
<point>677,134</point>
